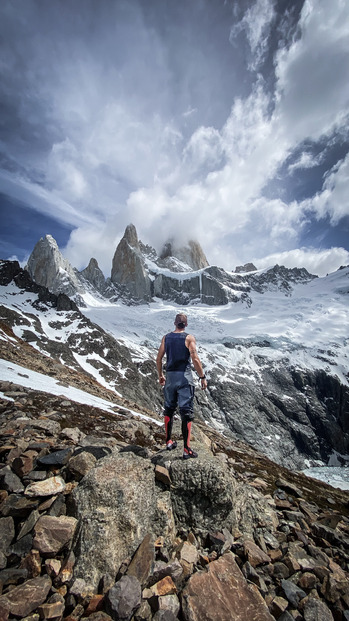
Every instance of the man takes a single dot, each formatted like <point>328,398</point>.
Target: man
<point>179,347</point>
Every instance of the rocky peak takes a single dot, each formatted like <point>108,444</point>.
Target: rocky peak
<point>192,254</point>
<point>47,267</point>
<point>279,277</point>
<point>131,237</point>
<point>94,275</point>
<point>248,267</point>
<point>128,269</point>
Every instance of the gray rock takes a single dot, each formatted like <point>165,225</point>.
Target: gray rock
<point>7,533</point>
<point>128,268</point>
<point>292,592</point>
<point>124,598</point>
<point>164,615</point>
<point>94,275</point>
<point>191,254</point>
<point>48,268</point>
<point>203,493</point>
<point>57,458</point>
<point>10,481</point>
<point>316,610</point>
<point>116,501</point>
<point>142,563</point>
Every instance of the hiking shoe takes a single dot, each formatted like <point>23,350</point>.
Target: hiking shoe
<point>189,453</point>
<point>171,444</point>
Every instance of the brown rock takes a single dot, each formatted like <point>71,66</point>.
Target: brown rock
<point>32,562</point>
<point>24,464</point>
<point>163,475</point>
<point>255,555</point>
<point>95,604</point>
<point>53,567</point>
<point>275,555</point>
<point>222,594</point>
<point>278,606</point>
<point>166,586</point>
<point>25,598</point>
<point>188,553</point>
<point>81,464</point>
<point>53,533</point>
<point>307,580</point>
<point>143,561</point>
<point>48,487</point>
<point>67,570</point>
<point>52,610</point>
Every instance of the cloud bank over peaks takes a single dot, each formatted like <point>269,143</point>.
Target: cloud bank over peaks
<point>192,120</point>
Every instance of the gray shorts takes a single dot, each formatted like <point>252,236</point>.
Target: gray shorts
<point>179,390</point>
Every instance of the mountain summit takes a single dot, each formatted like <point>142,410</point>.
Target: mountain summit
<point>180,274</point>
<point>192,254</point>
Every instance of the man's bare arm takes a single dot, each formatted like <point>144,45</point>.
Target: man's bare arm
<point>191,344</point>
<point>159,357</point>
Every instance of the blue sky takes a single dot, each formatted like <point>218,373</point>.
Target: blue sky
<point>225,122</point>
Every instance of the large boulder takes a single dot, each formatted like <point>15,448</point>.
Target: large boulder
<point>117,504</point>
<point>202,494</point>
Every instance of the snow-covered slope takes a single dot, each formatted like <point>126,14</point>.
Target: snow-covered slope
<point>309,328</point>
<point>277,363</point>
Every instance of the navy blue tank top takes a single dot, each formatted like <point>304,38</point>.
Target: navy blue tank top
<point>177,354</point>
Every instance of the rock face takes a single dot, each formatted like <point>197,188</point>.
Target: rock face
<point>94,275</point>
<point>48,268</point>
<point>128,266</point>
<point>120,495</point>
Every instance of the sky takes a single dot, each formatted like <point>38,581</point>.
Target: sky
<point>222,121</point>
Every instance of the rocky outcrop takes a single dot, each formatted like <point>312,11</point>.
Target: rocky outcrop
<point>291,415</point>
<point>248,267</point>
<point>10,271</point>
<point>47,267</point>
<point>128,270</point>
<point>120,539</point>
<point>94,275</point>
<point>278,278</point>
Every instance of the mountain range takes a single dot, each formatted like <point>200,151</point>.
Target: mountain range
<point>274,342</point>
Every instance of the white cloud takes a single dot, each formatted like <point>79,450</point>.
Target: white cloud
<point>318,262</point>
<point>121,153</point>
<point>256,23</point>
<point>313,74</point>
<point>332,201</point>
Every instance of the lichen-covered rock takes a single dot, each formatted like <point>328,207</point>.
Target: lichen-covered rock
<point>202,494</point>
<point>116,505</point>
